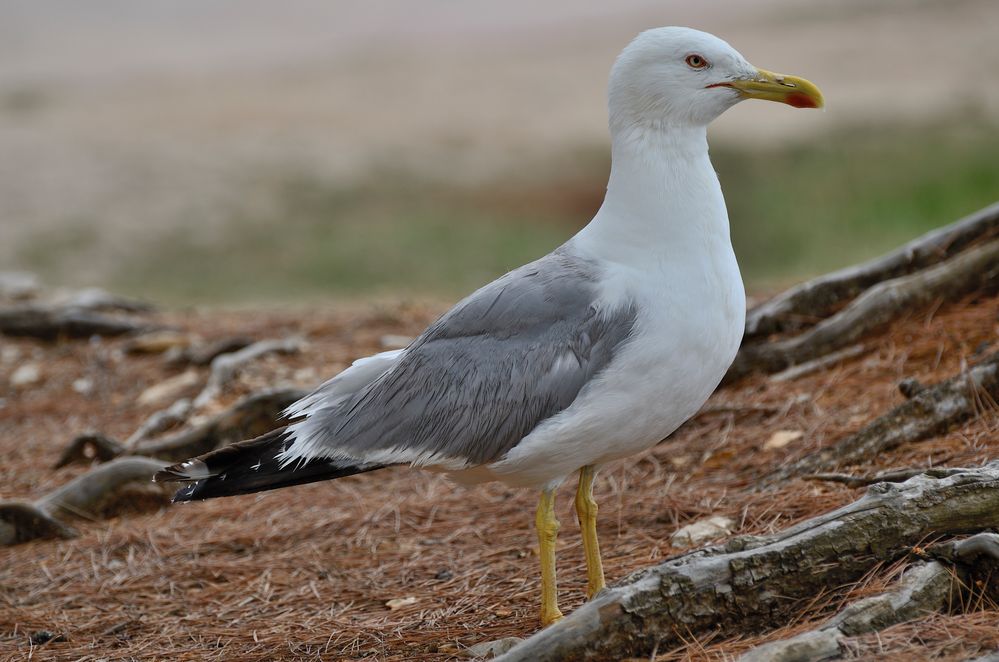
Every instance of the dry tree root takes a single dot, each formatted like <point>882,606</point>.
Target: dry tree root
<point>21,522</point>
<point>891,476</point>
<point>924,588</point>
<point>225,366</point>
<point>878,305</point>
<point>951,580</point>
<point>800,306</point>
<point>204,353</point>
<point>174,415</point>
<point>88,447</point>
<point>85,496</point>
<point>77,315</point>
<point>252,416</point>
<point>756,582</point>
<point>53,322</point>
<point>930,411</point>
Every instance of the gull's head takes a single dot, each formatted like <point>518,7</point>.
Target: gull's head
<point>682,77</point>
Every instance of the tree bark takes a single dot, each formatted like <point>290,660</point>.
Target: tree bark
<point>757,582</point>
<point>877,306</point>
<point>924,588</point>
<point>84,496</point>
<point>800,306</point>
<point>51,323</point>
<point>929,412</point>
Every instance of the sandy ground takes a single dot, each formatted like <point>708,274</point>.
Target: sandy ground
<point>308,572</point>
<point>121,122</point>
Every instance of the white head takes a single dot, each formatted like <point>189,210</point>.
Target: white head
<point>682,77</point>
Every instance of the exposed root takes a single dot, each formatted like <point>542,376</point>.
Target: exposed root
<point>204,353</point>
<point>89,447</point>
<point>801,306</point>
<point>21,522</point>
<point>924,588</point>
<point>754,582</point>
<point>250,417</point>
<point>821,363</point>
<point>880,304</point>
<point>161,421</point>
<point>86,496</point>
<point>48,322</point>
<point>928,412</point>
<point>893,476</point>
<point>225,366</point>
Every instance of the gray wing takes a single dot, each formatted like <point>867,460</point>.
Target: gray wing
<point>478,380</point>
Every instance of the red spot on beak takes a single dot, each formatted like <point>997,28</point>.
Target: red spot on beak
<point>800,101</point>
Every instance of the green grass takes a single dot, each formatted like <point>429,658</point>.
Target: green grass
<point>808,209</point>
<point>795,211</point>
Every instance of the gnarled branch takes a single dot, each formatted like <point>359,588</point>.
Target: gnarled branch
<point>754,582</point>
<point>878,305</point>
<point>799,306</point>
<point>931,411</point>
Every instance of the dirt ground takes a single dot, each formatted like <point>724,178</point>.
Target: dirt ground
<point>307,572</point>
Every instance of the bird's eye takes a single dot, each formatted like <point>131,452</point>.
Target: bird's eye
<point>695,61</point>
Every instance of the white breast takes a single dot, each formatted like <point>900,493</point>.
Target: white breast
<point>685,338</point>
<point>662,239</point>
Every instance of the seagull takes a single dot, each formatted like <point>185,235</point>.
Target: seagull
<point>595,352</point>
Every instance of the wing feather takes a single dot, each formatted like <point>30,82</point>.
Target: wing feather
<point>478,380</point>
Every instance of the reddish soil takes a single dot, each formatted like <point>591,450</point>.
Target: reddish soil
<point>307,572</point>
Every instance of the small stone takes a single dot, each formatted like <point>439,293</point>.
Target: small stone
<point>157,342</point>
<point>171,389</point>
<point>702,531</point>
<point>83,385</point>
<point>395,341</point>
<point>26,375</point>
<point>782,438</point>
<point>399,603</point>
<point>443,574</point>
<point>9,354</point>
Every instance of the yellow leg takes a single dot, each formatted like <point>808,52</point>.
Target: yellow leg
<point>586,509</point>
<point>547,527</point>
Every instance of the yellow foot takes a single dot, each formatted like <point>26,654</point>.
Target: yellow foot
<point>547,527</point>
<point>549,617</point>
<point>586,509</point>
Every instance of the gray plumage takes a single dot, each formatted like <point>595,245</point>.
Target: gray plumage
<point>482,377</point>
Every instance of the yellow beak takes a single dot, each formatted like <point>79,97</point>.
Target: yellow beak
<point>769,86</point>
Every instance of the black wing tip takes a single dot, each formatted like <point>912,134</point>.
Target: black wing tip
<point>187,470</point>
<point>187,493</point>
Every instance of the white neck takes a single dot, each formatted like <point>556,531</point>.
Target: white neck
<point>663,197</point>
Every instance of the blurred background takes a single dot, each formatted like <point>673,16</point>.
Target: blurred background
<point>249,151</point>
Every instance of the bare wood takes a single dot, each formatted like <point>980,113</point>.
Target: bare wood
<point>929,412</point>
<point>801,305</point>
<point>174,415</point>
<point>84,496</point>
<point>225,366</point>
<point>205,353</point>
<point>88,447</point>
<point>21,522</point>
<point>52,322</point>
<point>924,588</point>
<point>755,582</point>
<point>821,363</point>
<point>250,417</point>
<point>878,305</point>
<point>893,476</point>
<point>88,494</point>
